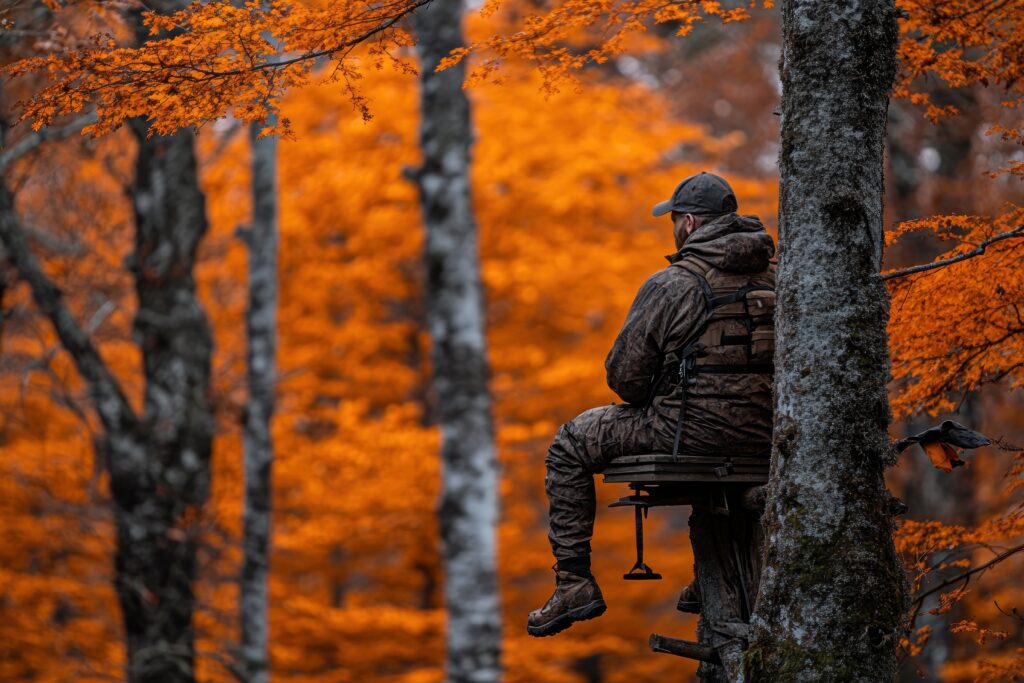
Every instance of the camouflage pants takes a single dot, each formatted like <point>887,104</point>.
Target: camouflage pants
<point>583,447</point>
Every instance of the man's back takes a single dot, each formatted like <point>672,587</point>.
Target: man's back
<point>728,405</point>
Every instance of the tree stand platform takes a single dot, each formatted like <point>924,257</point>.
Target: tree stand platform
<point>727,496</point>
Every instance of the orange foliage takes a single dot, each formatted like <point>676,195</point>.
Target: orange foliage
<point>214,58</point>
<point>959,327</point>
<point>566,240</point>
<point>965,42</point>
<point>962,325</point>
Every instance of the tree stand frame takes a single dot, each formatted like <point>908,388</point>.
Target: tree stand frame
<point>727,498</point>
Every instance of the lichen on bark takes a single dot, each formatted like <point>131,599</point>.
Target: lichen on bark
<point>832,591</point>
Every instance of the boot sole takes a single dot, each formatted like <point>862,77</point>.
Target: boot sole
<point>564,621</point>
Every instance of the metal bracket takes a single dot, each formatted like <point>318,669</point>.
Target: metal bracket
<point>640,571</point>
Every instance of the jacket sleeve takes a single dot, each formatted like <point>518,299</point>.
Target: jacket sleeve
<point>662,317</point>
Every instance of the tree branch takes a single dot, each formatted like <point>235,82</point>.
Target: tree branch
<point>130,76</point>
<point>966,576</point>
<point>113,408</point>
<point>1010,234</point>
<point>38,137</point>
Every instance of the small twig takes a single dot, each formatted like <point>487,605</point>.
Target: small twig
<point>920,268</point>
<point>38,137</point>
<point>966,576</point>
<point>99,316</point>
<point>1014,613</point>
<point>54,243</point>
<point>1004,445</point>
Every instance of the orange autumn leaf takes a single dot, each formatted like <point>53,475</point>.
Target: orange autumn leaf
<point>942,455</point>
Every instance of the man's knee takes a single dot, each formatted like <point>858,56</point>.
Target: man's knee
<point>576,445</point>
<point>565,449</point>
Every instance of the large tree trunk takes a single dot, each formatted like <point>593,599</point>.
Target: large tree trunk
<point>157,509</point>
<point>261,327</point>
<point>158,465</point>
<point>468,509</point>
<point>158,506</point>
<point>832,592</point>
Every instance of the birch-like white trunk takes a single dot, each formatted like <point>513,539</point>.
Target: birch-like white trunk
<point>258,448</point>
<point>468,510</point>
<point>832,592</point>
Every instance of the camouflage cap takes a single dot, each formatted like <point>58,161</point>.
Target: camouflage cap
<point>702,194</point>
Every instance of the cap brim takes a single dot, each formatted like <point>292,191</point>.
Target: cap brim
<point>662,208</point>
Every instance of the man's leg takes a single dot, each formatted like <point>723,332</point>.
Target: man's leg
<point>583,447</point>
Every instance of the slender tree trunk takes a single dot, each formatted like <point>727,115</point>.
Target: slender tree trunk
<point>832,592</point>
<point>261,327</point>
<point>468,509</point>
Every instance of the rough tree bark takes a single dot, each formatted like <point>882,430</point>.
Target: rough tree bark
<point>158,461</point>
<point>468,509</point>
<point>157,505</point>
<point>832,592</point>
<point>261,329</point>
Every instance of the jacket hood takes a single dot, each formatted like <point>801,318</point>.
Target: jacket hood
<point>732,242</point>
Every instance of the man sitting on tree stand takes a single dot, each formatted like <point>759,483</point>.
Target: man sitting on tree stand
<point>693,362</point>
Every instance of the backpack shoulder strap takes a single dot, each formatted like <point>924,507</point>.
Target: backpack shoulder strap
<point>699,268</point>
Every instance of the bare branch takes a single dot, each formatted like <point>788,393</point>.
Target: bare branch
<point>111,405</point>
<point>38,137</point>
<point>1014,613</point>
<point>51,242</point>
<point>966,576</point>
<point>1010,234</point>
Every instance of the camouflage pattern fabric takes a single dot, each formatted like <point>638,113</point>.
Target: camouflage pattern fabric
<point>730,413</point>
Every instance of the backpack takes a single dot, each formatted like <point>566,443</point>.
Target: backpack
<point>737,335</point>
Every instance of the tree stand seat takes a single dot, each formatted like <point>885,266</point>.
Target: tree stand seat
<point>662,479</point>
<point>727,496</point>
<point>658,468</point>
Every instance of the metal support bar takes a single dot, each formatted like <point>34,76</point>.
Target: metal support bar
<point>640,571</point>
<point>684,648</point>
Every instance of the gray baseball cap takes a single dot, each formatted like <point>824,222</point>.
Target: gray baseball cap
<point>701,194</point>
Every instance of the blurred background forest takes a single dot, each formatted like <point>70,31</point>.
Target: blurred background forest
<point>562,188</point>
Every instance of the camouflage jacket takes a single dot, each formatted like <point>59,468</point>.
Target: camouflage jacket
<point>722,412</point>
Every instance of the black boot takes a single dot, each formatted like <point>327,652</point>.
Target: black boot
<point>689,599</point>
<point>577,597</point>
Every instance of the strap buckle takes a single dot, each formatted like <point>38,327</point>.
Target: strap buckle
<point>688,364</point>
